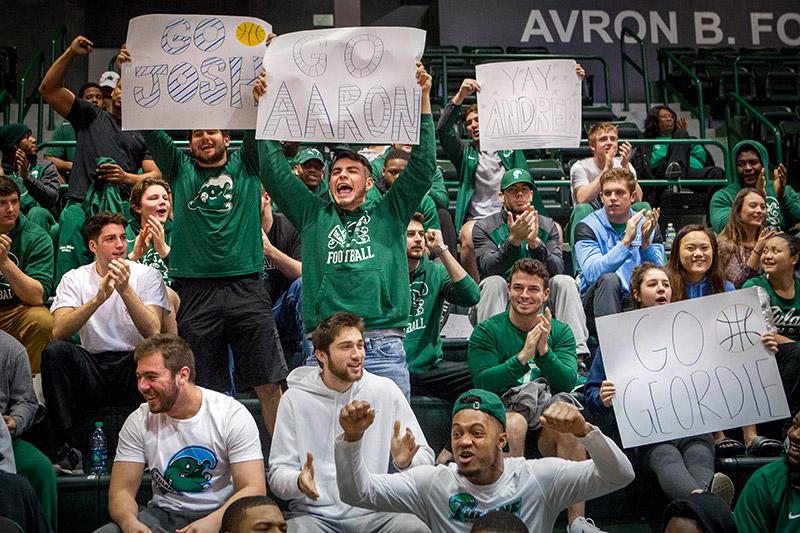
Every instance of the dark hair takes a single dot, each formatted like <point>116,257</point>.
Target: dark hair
<point>472,108</point>
<point>86,86</point>
<point>794,245</point>
<point>678,277</point>
<point>8,187</point>
<point>418,217</point>
<point>176,352</point>
<point>95,224</point>
<point>651,129</point>
<point>236,511</point>
<point>637,277</point>
<point>138,191</point>
<point>353,156</point>
<point>619,174</point>
<point>328,329</point>
<point>499,522</point>
<point>395,153</point>
<point>532,267</point>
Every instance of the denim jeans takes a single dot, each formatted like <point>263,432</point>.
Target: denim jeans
<point>385,356</point>
<point>288,312</point>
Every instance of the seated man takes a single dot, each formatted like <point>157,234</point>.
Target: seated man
<point>431,285</point>
<point>201,446</point>
<point>306,426</point>
<point>26,275</point>
<point>19,408</point>
<point>38,183</point>
<point>450,498</point>
<point>783,202</point>
<point>253,513</point>
<point>353,255</point>
<point>525,344</point>
<point>113,303</point>
<point>610,242</point>
<point>769,500</point>
<point>585,174</point>
<point>518,231</point>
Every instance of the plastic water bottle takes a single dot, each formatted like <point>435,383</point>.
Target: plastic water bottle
<point>670,236</point>
<point>99,451</point>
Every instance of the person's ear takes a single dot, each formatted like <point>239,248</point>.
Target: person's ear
<point>92,246</point>
<point>502,440</point>
<point>635,295</point>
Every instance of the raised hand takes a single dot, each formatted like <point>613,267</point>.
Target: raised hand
<point>355,418</point>
<point>625,150</point>
<point>682,124</point>
<point>124,56</point>
<point>468,88</point>
<point>260,86</point>
<point>779,181</point>
<point>156,230</point>
<point>533,230</point>
<point>305,481</point>
<point>434,240</point>
<point>531,343</point>
<point>141,244</point>
<point>5,248</point>
<point>21,163</point>
<point>761,183</point>
<point>270,38</point>
<point>120,273</point>
<point>631,227</point>
<point>565,418</point>
<point>544,323</point>
<point>404,447</point>
<point>579,71</point>
<point>519,227</point>
<point>765,235</point>
<point>607,392</point>
<point>81,46</point>
<point>649,227</point>
<point>608,163</point>
<point>106,288</point>
<point>424,80</point>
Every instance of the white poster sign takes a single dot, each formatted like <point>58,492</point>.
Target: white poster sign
<point>192,71</point>
<point>529,104</point>
<point>691,367</point>
<point>348,85</point>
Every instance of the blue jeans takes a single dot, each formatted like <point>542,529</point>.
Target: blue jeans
<point>288,312</point>
<point>385,356</point>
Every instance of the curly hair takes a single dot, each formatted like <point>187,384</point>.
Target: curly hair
<point>651,129</point>
<point>532,267</point>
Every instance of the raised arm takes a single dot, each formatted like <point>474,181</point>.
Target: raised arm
<point>52,87</point>
<point>446,128</point>
<point>166,157</point>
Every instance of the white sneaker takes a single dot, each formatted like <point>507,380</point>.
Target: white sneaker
<point>582,524</point>
<point>722,486</point>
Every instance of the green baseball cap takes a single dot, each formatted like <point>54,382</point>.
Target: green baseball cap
<point>482,400</point>
<point>515,175</point>
<point>309,154</point>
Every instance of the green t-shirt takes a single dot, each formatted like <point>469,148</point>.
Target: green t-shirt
<point>217,223</point>
<point>619,228</point>
<point>32,251</point>
<point>785,313</point>
<point>151,258</point>
<point>65,132</point>
<point>430,287</point>
<point>768,502</point>
<point>492,355</point>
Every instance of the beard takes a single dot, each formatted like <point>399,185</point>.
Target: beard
<point>217,156</point>
<point>341,372</point>
<point>167,400</point>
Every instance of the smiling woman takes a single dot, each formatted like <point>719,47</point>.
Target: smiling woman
<point>694,264</point>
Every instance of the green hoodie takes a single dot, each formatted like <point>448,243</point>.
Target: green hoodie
<point>430,287</point>
<point>32,251</point>
<point>464,157</point>
<point>217,216</point>
<point>152,257</point>
<point>353,260</point>
<point>783,215</point>
<point>492,355</point>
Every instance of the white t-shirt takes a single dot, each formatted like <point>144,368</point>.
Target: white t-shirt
<point>585,171</point>
<point>190,459</point>
<point>110,328</point>
<point>488,174</point>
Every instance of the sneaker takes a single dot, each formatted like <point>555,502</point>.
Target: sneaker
<point>722,486</point>
<point>581,524</point>
<point>69,461</point>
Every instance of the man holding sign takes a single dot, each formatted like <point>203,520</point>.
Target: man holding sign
<point>354,253</point>
<point>216,260</point>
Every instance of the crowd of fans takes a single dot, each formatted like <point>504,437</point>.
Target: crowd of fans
<point>180,276</point>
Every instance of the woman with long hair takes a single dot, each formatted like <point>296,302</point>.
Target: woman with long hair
<point>742,241</point>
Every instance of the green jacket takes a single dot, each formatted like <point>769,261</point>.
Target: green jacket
<point>353,260</point>
<point>464,157</point>
<point>217,221</point>
<point>438,191</point>
<point>783,215</point>
<point>152,257</point>
<point>32,251</point>
<point>430,287</point>
<point>768,502</point>
<point>492,356</point>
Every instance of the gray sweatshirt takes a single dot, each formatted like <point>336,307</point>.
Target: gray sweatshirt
<point>17,398</point>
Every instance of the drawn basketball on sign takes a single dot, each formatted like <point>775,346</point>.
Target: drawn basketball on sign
<point>250,33</point>
<point>737,328</point>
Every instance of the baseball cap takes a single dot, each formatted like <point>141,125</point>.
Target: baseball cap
<point>108,79</point>
<point>514,176</point>
<point>309,154</point>
<point>482,400</point>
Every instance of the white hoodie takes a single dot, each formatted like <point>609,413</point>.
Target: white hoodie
<point>308,420</point>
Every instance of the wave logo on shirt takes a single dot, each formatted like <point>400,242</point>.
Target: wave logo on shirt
<point>354,232</point>
<point>773,216</point>
<point>463,508</point>
<point>419,289</point>
<point>189,470</point>
<point>216,194</point>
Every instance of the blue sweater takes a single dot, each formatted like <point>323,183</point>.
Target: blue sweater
<point>702,288</point>
<point>591,391</point>
<point>599,250</point>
